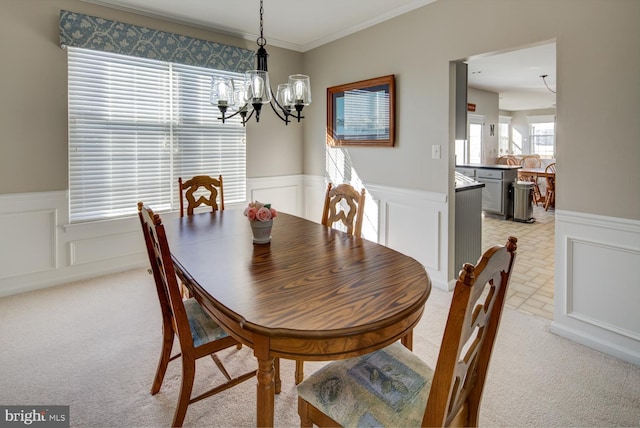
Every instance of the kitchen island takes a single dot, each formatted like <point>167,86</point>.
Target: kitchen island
<point>497,195</point>
<point>468,222</point>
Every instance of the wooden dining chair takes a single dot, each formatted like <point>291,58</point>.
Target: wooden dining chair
<point>334,212</point>
<point>550,195</point>
<point>394,387</point>
<point>334,208</point>
<point>506,160</point>
<point>199,336</point>
<point>199,190</point>
<point>512,161</point>
<point>533,162</point>
<point>206,189</point>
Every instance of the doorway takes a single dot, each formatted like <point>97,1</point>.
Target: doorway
<point>505,75</point>
<point>469,151</point>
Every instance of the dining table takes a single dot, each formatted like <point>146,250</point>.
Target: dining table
<point>524,173</point>
<point>312,293</point>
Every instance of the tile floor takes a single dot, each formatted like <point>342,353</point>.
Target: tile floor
<point>531,287</point>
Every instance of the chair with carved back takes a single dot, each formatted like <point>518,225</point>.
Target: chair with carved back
<point>531,161</point>
<point>528,162</point>
<point>200,190</point>
<point>334,208</point>
<point>550,196</point>
<point>334,212</point>
<point>506,160</point>
<point>208,191</point>
<point>512,161</point>
<point>394,387</point>
<point>198,335</point>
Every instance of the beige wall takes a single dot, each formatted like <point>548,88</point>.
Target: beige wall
<point>33,105</point>
<point>598,66</point>
<point>598,99</point>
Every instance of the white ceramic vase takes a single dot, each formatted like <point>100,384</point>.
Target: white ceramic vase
<point>261,231</point>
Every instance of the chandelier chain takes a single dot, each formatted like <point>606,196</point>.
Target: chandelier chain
<point>261,40</point>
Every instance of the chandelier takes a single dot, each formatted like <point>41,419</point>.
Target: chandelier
<point>255,91</point>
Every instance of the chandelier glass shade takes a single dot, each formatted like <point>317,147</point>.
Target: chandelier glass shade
<point>248,97</point>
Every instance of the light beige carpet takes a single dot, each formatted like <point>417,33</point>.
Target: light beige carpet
<point>93,345</point>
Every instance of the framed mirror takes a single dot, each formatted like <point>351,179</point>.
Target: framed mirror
<point>362,113</point>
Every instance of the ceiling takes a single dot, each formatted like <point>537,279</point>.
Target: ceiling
<point>298,25</point>
<point>515,76</point>
<point>302,25</point>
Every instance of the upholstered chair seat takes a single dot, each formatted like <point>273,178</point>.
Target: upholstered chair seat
<point>389,387</point>
<point>203,328</point>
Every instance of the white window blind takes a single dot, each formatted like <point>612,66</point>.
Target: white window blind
<point>135,126</point>
<point>366,114</point>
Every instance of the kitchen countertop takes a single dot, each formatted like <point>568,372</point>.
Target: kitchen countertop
<point>485,166</point>
<point>465,183</point>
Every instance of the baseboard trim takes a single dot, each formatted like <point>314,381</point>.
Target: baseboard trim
<point>604,346</point>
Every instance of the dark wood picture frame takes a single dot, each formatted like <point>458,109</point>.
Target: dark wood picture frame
<point>362,113</point>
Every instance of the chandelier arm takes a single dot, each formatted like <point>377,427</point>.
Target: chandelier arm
<point>286,111</point>
<point>285,119</point>
<point>245,119</point>
<point>228,117</point>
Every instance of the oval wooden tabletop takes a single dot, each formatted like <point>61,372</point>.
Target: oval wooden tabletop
<point>310,280</point>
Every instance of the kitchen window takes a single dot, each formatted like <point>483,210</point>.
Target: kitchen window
<point>542,135</point>
<point>136,125</point>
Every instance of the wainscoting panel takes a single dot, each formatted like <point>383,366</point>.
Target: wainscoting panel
<point>315,189</point>
<point>420,238</point>
<point>31,248</point>
<point>596,288</point>
<point>415,223</point>
<point>593,304</point>
<point>98,249</point>
<point>19,231</point>
<point>283,193</point>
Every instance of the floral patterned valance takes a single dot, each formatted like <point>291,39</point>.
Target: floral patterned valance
<point>90,32</point>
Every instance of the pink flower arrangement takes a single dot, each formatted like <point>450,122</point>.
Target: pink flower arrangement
<point>257,211</point>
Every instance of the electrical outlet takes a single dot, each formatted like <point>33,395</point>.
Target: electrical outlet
<point>435,151</point>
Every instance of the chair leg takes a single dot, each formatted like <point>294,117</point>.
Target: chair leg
<point>551,196</point>
<point>299,371</point>
<point>277,380</point>
<point>537,196</point>
<point>188,375</point>
<point>165,357</point>
<point>303,411</point>
<point>221,366</point>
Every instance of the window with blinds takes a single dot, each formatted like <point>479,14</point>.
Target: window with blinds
<point>135,126</point>
<point>542,135</point>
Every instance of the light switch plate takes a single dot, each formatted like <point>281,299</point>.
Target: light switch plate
<point>435,151</point>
